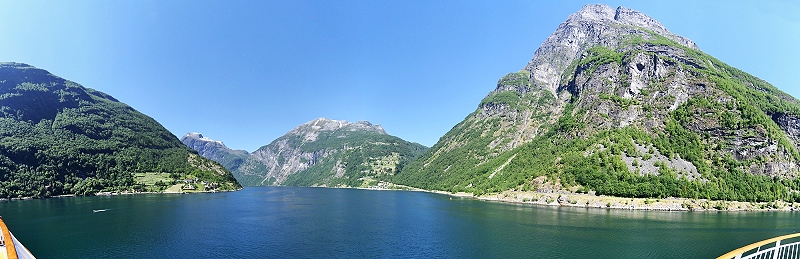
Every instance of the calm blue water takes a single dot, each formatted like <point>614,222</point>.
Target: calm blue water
<point>296,222</point>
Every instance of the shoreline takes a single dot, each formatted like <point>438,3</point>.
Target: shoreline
<point>112,194</point>
<point>550,199</point>
<point>579,200</point>
<point>609,202</point>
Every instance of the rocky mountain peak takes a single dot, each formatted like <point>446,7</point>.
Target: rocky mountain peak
<point>195,136</point>
<point>613,93</point>
<point>593,25</point>
<point>15,65</point>
<point>636,18</point>
<point>596,12</point>
<point>310,130</point>
<point>623,15</point>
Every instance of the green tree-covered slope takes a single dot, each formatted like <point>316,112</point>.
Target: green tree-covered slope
<point>58,137</point>
<point>327,152</point>
<point>631,110</point>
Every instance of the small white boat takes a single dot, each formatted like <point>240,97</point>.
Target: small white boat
<point>10,247</point>
<point>96,211</point>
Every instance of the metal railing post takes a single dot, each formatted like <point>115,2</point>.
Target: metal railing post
<point>777,249</point>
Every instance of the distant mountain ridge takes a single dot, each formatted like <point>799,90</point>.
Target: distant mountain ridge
<point>310,131</point>
<point>215,150</point>
<point>58,137</point>
<point>613,103</point>
<point>326,152</point>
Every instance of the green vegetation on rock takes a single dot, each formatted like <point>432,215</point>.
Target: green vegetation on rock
<point>359,155</point>
<point>635,114</point>
<point>326,152</point>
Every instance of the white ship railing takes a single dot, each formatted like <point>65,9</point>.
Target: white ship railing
<point>767,249</point>
<point>22,251</point>
<point>12,248</point>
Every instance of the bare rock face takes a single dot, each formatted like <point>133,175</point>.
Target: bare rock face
<point>544,86</point>
<point>594,25</point>
<point>790,124</point>
<point>649,82</point>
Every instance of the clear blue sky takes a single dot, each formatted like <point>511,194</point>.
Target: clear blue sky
<point>246,72</point>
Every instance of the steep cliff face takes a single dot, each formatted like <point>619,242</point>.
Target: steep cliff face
<point>594,25</point>
<point>614,103</point>
<point>330,153</point>
<point>215,150</point>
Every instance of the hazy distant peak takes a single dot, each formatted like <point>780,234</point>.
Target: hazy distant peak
<point>196,136</point>
<point>15,65</point>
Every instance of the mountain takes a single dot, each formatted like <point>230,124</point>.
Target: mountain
<point>326,152</point>
<point>215,150</point>
<point>58,137</point>
<point>613,103</point>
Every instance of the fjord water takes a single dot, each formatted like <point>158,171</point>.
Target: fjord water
<point>292,222</point>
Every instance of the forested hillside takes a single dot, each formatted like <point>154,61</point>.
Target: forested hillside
<point>58,137</point>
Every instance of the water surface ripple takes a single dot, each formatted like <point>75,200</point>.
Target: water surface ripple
<point>297,222</point>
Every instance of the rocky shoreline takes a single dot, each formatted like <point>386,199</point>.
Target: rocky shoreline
<point>564,199</point>
<point>608,202</point>
<point>580,200</point>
